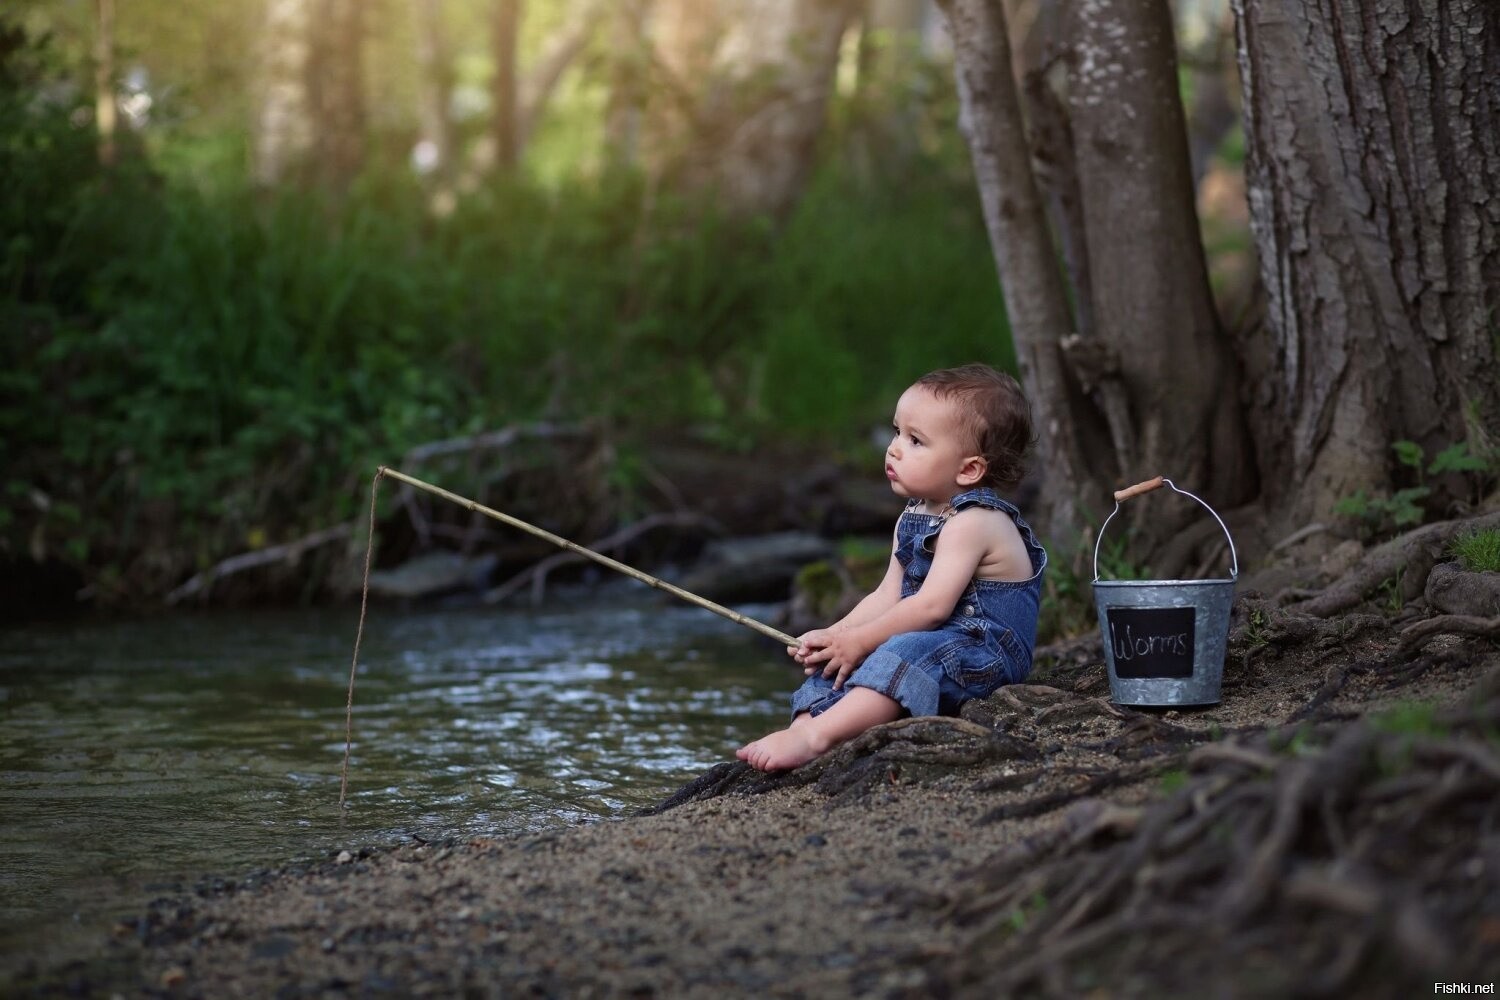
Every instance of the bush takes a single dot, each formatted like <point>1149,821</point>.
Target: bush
<point>193,368</point>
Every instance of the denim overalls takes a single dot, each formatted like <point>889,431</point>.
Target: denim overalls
<point>985,643</point>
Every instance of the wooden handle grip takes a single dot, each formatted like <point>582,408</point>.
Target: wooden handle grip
<point>1138,489</point>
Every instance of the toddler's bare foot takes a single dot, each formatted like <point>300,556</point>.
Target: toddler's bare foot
<point>783,750</point>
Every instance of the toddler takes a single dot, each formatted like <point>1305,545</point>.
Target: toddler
<point>955,616</point>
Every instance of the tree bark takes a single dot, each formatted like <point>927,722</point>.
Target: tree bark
<point>557,55</point>
<point>505,88</point>
<point>890,45</point>
<point>1035,299</point>
<point>774,73</point>
<point>336,90</point>
<point>282,131</point>
<point>629,66</point>
<point>435,90</point>
<point>1152,305</point>
<point>1373,134</point>
<point>679,49</point>
<point>106,111</point>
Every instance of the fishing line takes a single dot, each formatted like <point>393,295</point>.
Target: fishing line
<point>515,522</point>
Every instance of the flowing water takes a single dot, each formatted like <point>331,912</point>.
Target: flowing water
<point>136,757</point>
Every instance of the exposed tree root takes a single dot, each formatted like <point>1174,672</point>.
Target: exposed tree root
<point>1406,559</point>
<point>1318,870</point>
<point>1417,634</point>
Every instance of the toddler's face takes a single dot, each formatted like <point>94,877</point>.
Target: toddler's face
<point>929,449</point>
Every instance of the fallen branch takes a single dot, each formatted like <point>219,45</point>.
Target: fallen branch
<point>536,574</point>
<point>288,553</point>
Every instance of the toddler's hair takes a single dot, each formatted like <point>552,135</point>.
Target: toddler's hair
<point>994,415</point>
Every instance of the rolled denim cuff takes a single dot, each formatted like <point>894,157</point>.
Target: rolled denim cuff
<point>886,672</point>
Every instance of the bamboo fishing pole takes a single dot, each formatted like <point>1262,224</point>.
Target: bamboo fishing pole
<point>542,533</point>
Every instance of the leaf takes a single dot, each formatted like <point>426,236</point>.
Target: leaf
<point>1404,508</point>
<point>1408,453</point>
<point>1357,505</point>
<point>1456,458</point>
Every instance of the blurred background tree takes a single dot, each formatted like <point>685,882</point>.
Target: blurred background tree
<point>324,232</point>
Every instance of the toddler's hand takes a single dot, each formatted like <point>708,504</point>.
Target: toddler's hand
<point>807,643</point>
<point>838,655</point>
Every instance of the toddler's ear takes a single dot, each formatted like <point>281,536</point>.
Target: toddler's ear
<point>972,470</point>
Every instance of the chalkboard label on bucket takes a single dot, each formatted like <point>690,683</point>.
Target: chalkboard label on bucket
<point>1151,642</point>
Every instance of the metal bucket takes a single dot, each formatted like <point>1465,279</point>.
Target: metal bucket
<point>1164,640</point>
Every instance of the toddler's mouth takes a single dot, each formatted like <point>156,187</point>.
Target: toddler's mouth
<point>890,472</point>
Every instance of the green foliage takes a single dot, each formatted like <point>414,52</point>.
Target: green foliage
<point>1478,551</point>
<point>188,364</point>
<point>1406,507</point>
<point>1391,589</point>
<point>1412,718</point>
<point>1296,742</point>
<point>1257,629</point>
<point>1023,913</point>
<point>869,288</point>
<point>1405,724</point>
<point>1067,607</point>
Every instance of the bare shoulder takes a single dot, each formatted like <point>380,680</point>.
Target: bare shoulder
<point>995,533</point>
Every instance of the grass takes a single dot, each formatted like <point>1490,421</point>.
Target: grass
<point>1478,551</point>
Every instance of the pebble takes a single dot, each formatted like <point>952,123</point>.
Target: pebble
<point>345,857</point>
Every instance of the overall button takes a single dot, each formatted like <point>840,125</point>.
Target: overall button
<point>969,610</point>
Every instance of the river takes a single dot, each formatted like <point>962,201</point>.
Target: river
<point>137,756</point>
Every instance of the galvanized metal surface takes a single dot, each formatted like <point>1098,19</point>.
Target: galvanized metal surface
<point>1211,601</point>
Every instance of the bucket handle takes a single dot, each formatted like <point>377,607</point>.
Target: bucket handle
<point>1147,487</point>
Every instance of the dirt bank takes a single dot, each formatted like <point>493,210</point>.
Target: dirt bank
<point>1333,825</point>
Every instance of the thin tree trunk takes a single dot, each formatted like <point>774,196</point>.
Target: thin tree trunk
<point>337,90</point>
<point>1152,304</point>
<point>106,112</point>
<point>1373,132</point>
<point>283,127</point>
<point>1034,295</point>
<point>681,43</point>
<point>890,41</point>
<point>505,90</point>
<point>436,89</point>
<point>775,71</point>
<point>629,67</point>
<point>558,54</point>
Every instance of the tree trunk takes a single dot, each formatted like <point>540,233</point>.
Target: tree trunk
<point>890,44</point>
<point>1168,360</point>
<point>336,89</point>
<point>106,111</point>
<point>680,50</point>
<point>774,73</point>
<point>1373,133</point>
<point>557,55</point>
<point>629,66</point>
<point>505,89</point>
<point>1035,299</point>
<point>282,132</point>
<point>435,88</point>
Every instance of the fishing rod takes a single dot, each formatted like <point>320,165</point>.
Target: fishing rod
<point>531,529</point>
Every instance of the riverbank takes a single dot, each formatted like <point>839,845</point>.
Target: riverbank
<point>1330,823</point>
